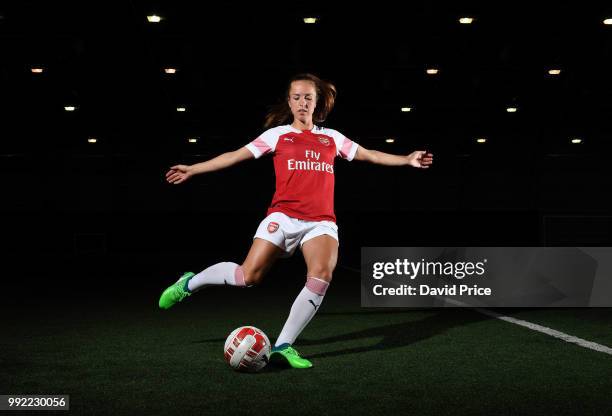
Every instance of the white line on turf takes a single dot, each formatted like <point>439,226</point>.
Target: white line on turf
<point>539,328</point>
<point>526,324</point>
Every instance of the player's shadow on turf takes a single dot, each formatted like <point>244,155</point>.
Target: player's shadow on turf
<point>393,336</point>
<point>397,335</point>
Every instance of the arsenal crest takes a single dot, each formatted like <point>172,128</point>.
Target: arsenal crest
<point>272,227</point>
<point>324,141</point>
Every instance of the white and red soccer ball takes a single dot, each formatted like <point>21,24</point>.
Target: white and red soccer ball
<point>247,349</point>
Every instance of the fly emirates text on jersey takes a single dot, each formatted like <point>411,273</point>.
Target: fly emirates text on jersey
<point>311,163</point>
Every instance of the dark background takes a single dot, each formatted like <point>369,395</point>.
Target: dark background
<point>92,233</point>
<point>77,215</point>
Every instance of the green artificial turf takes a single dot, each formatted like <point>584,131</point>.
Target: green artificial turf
<point>122,355</point>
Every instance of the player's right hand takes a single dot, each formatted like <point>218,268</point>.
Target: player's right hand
<point>178,174</point>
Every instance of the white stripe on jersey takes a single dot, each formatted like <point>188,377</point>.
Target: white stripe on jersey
<point>266,143</point>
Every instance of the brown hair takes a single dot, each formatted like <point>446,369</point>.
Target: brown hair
<point>326,95</point>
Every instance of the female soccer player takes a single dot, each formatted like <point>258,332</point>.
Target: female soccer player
<point>302,209</point>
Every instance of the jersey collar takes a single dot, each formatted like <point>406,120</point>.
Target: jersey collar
<point>314,129</point>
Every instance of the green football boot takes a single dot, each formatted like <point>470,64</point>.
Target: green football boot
<point>286,353</point>
<point>177,292</point>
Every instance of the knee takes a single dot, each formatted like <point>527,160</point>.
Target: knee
<point>323,273</point>
<point>252,276</point>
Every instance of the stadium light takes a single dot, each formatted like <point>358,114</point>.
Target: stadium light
<point>181,109</point>
<point>481,140</point>
<point>432,71</point>
<point>576,140</point>
<point>37,70</point>
<point>390,140</point>
<point>607,21</point>
<point>406,109</point>
<point>92,140</point>
<point>170,70</point>
<point>310,20</point>
<point>193,140</point>
<point>69,108</point>
<point>154,18</point>
<point>466,20</point>
<point>554,71</point>
<point>511,109</point>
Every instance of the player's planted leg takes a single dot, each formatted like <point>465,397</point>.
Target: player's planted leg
<point>286,353</point>
<point>302,311</point>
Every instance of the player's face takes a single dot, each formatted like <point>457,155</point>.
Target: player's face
<point>302,100</point>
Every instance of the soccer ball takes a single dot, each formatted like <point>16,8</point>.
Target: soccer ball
<point>247,349</point>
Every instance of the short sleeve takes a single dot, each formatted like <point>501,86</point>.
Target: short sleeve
<point>345,147</point>
<point>266,143</point>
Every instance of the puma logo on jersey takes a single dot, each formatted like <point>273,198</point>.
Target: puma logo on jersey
<point>288,139</point>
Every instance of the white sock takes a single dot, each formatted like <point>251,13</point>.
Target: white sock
<point>303,309</point>
<point>225,273</point>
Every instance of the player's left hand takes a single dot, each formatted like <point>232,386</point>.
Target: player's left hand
<point>420,159</point>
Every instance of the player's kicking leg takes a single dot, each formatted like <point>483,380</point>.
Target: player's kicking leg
<point>176,292</point>
<point>259,260</point>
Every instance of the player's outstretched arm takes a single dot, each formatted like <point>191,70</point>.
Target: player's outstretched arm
<point>418,159</point>
<point>180,173</point>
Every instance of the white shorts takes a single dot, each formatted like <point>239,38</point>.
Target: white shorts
<point>287,232</point>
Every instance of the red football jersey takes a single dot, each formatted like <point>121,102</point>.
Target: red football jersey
<point>304,167</point>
